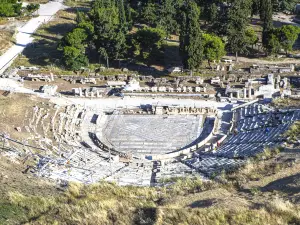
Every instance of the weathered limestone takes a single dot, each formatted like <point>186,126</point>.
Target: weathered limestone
<point>250,92</point>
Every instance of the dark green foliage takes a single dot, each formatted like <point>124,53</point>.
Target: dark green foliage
<point>191,46</point>
<point>214,48</point>
<point>121,9</point>
<point>209,10</point>
<point>282,38</point>
<point>273,45</point>
<point>150,14</point>
<point>147,42</point>
<point>213,13</point>
<point>266,11</point>
<point>238,20</point>
<point>283,5</point>
<point>287,35</point>
<point>74,58</point>
<point>255,7</point>
<point>107,29</point>
<point>32,7</point>
<point>103,30</point>
<point>73,47</point>
<point>168,17</point>
<point>9,8</point>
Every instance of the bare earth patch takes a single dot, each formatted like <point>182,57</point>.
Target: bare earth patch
<point>5,40</point>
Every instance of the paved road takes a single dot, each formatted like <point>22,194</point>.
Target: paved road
<point>24,37</point>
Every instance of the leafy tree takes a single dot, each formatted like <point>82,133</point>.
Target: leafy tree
<point>214,47</point>
<point>251,37</point>
<point>147,42</point>
<point>74,58</point>
<point>119,45</point>
<point>191,46</point>
<point>238,19</point>
<point>10,8</point>
<point>220,26</point>
<point>73,47</point>
<point>76,38</point>
<point>122,14</point>
<point>7,10</point>
<point>17,8</point>
<point>287,35</point>
<point>88,27</point>
<point>255,7</point>
<point>128,13</point>
<point>80,17</point>
<point>273,46</point>
<point>32,7</point>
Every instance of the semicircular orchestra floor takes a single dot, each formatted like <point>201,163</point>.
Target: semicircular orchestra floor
<point>151,134</point>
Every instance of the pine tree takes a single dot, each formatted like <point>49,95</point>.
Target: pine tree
<point>191,46</point>
<point>109,28</point>
<point>122,15</point>
<point>266,11</point>
<point>128,16</point>
<point>238,20</point>
<point>168,17</point>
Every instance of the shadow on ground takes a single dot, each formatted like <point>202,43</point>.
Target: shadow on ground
<point>289,185</point>
<point>43,53</point>
<point>60,29</point>
<point>203,203</point>
<point>145,216</point>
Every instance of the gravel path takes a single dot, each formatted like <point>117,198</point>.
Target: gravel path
<point>24,37</point>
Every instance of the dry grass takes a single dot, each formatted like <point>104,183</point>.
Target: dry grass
<point>38,1</point>
<point>43,52</point>
<point>286,103</point>
<point>185,202</point>
<point>6,38</point>
<point>15,111</point>
<point>13,180</point>
<point>293,133</point>
<point>106,204</point>
<point>256,171</point>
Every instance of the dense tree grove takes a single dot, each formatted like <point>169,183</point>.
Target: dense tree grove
<point>122,29</point>
<point>10,8</point>
<point>13,8</point>
<point>282,38</point>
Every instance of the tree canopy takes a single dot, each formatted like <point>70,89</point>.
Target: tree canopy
<point>9,8</point>
<point>214,47</point>
<point>191,37</point>
<point>131,29</point>
<point>238,20</point>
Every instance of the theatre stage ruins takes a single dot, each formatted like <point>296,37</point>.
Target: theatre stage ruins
<point>143,138</point>
<point>142,141</point>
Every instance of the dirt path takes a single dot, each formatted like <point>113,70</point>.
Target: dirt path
<point>261,61</point>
